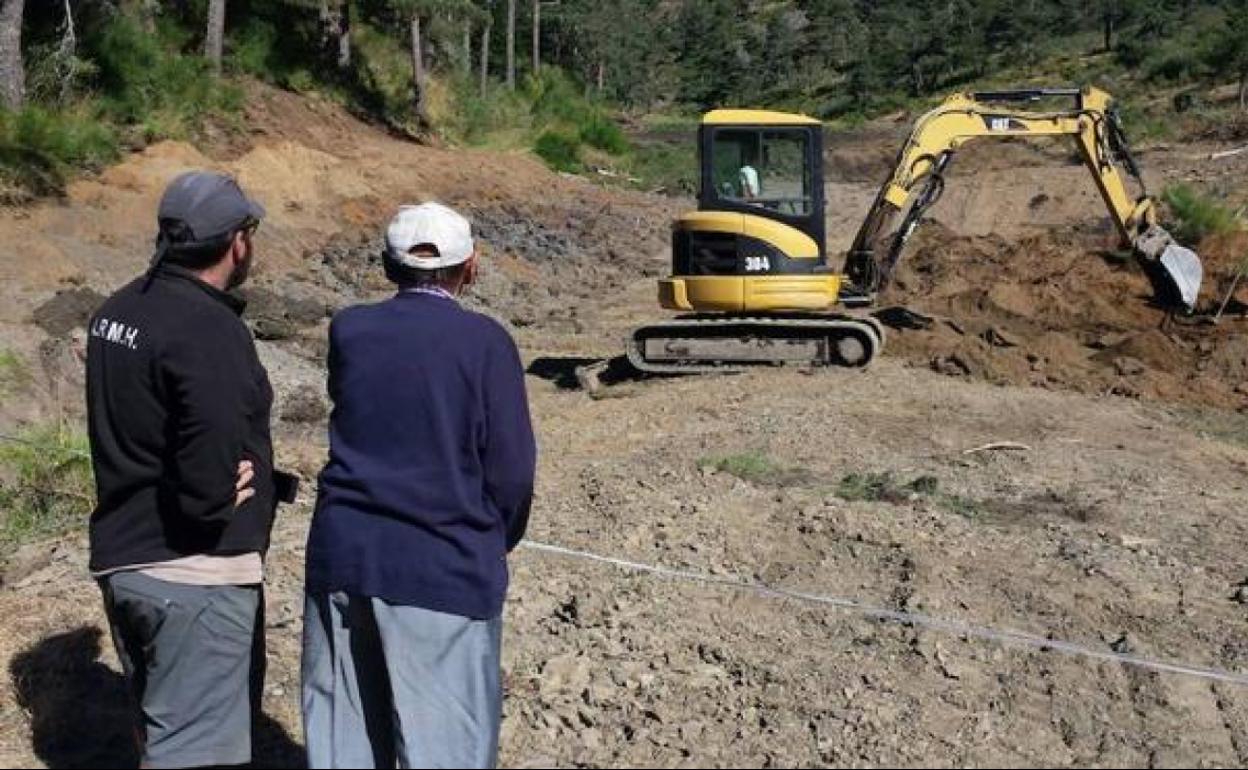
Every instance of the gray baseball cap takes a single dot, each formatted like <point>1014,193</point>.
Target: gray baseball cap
<point>209,205</point>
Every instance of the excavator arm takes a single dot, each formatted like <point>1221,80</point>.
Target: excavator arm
<point>1092,123</point>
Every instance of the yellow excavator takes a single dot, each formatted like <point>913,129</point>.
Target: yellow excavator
<point>750,266</point>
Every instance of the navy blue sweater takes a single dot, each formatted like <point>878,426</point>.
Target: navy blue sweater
<point>431,458</point>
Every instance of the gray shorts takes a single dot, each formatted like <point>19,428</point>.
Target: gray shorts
<point>386,684</point>
<point>194,659</point>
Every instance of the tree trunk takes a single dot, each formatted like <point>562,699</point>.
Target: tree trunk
<point>1243,89</point>
<point>68,53</point>
<point>327,25</point>
<point>342,34</point>
<point>214,38</point>
<point>467,65</point>
<point>602,76</point>
<point>418,72</point>
<point>485,58</point>
<point>12,70</point>
<point>336,32</point>
<point>511,44</point>
<point>1109,30</point>
<point>537,36</point>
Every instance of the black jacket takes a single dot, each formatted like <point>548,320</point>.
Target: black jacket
<point>176,397</point>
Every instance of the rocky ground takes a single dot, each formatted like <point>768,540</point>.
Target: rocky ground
<point>1114,520</point>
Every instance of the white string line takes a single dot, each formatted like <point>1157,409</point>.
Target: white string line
<point>950,626</point>
<point>954,627</point>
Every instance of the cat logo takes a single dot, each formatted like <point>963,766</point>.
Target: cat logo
<point>1001,123</point>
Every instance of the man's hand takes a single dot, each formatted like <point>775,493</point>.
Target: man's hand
<point>243,491</point>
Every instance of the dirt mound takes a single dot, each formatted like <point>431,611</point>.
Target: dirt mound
<point>66,310</point>
<point>1061,310</point>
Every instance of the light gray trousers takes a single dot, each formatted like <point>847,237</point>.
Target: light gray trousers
<point>386,684</point>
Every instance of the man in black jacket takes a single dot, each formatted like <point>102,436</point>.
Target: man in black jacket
<point>179,407</point>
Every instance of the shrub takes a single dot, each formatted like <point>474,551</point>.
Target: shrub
<point>471,117</point>
<point>143,82</point>
<point>750,466</point>
<point>1197,215</point>
<point>757,468</point>
<point>557,99</point>
<point>559,150</point>
<point>48,487</point>
<point>600,132</point>
<point>39,148</point>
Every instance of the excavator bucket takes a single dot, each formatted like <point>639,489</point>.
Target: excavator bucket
<point>1183,268</point>
<point>1175,270</point>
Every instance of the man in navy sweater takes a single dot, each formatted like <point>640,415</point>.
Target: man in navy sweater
<point>427,488</point>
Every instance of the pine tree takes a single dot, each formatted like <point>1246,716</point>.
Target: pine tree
<point>1228,51</point>
<point>710,50</point>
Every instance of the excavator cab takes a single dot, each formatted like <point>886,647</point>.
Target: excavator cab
<point>757,241</point>
<point>751,263</point>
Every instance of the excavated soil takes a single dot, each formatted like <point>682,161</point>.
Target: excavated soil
<point>1113,519</point>
<point>1067,311</point>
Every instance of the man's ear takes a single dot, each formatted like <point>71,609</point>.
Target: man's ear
<point>470,270</point>
<point>238,248</point>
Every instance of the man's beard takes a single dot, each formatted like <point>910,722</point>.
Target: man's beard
<point>239,275</point>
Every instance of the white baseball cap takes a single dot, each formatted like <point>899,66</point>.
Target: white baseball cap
<point>433,225</point>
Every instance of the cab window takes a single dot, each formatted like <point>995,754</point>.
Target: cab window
<point>766,168</point>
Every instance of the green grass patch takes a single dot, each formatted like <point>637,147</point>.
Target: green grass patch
<point>885,487</point>
<point>601,132</point>
<point>965,507</point>
<point>498,119</point>
<point>757,468</point>
<point>549,114</point>
<point>144,80</point>
<point>139,86</point>
<point>560,151</point>
<point>41,149</point>
<point>281,52</point>
<point>47,486</point>
<point>751,466</point>
<point>1197,215</point>
<point>1143,124</point>
<point>666,167</point>
<point>556,99</point>
<point>382,75</point>
<point>14,373</point>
